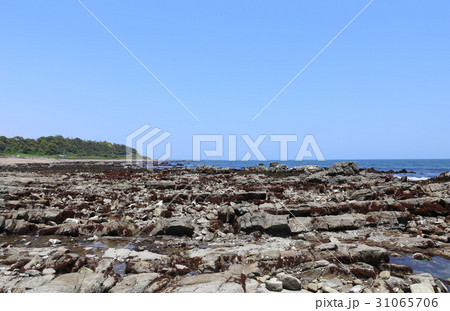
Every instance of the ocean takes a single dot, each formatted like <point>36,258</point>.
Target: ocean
<point>416,169</point>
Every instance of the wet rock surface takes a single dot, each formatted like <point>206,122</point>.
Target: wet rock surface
<point>111,227</point>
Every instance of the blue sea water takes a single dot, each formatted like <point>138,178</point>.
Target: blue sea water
<point>437,266</point>
<point>417,169</point>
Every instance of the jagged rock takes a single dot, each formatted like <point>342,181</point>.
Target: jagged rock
<point>344,168</point>
<point>70,229</point>
<point>277,167</point>
<point>380,286</point>
<point>258,168</point>
<point>24,227</point>
<point>363,195</point>
<point>240,210</point>
<point>320,177</point>
<point>363,270</point>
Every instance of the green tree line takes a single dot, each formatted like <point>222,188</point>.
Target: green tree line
<point>58,145</point>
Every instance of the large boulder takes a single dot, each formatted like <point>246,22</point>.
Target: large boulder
<point>289,282</point>
<point>344,168</point>
<point>264,222</point>
<point>179,226</point>
<point>372,255</point>
<point>274,285</point>
<point>344,222</point>
<point>69,229</point>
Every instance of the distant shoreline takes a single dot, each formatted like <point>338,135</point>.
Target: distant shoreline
<point>43,160</point>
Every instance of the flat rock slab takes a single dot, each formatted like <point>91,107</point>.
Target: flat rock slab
<point>81,282</point>
<point>135,283</point>
<point>30,283</point>
<point>205,278</point>
<point>212,287</point>
<point>123,253</point>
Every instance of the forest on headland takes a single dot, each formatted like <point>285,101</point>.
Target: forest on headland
<point>59,146</point>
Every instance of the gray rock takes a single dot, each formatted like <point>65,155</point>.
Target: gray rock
<point>289,282</point>
<point>48,271</point>
<point>54,241</point>
<point>370,254</point>
<point>264,222</point>
<point>313,287</point>
<point>357,289</point>
<point>274,285</point>
<point>135,283</point>
<point>300,224</point>
<point>69,229</point>
<point>124,253</point>
<point>82,282</point>
<point>10,224</point>
<point>344,168</point>
<point>328,289</point>
<point>31,283</point>
<point>109,283</point>
<point>333,283</point>
<point>179,226</point>
<point>344,222</point>
<point>363,195</point>
<point>319,177</point>
<point>420,288</point>
<point>231,288</point>
<point>205,278</point>
<point>210,287</point>
<point>385,275</point>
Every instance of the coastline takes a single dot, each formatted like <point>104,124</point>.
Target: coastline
<point>104,226</point>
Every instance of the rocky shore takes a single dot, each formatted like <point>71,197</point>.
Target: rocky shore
<point>111,227</point>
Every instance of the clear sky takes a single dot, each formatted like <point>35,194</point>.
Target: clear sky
<point>381,89</point>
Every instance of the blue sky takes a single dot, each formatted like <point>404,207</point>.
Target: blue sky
<point>381,90</point>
